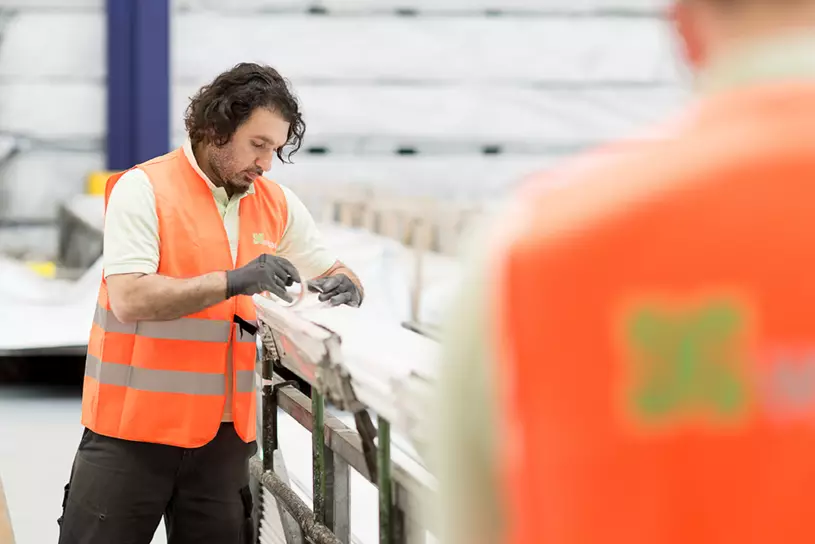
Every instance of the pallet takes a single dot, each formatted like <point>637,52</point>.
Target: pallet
<point>6,532</point>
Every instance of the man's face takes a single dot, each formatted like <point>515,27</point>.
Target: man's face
<point>250,151</point>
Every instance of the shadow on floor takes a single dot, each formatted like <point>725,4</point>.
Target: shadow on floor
<point>58,373</point>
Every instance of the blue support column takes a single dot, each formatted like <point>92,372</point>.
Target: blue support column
<point>138,126</point>
<point>152,74</point>
<point>120,84</point>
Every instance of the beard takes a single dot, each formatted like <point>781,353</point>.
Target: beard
<point>234,179</point>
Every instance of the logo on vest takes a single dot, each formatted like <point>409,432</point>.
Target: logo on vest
<point>259,239</point>
<point>707,364</point>
<point>687,362</point>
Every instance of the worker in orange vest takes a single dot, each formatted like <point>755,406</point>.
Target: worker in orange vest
<point>641,367</point>
<point>169,394</point>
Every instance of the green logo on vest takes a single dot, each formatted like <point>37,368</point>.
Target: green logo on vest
<point>259,239</point>
<point>687,363</point>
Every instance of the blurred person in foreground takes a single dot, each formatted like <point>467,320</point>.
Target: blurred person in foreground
<point>640,369</point>
<point>169,395</point>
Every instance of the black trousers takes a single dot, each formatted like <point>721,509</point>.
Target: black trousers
<point>119,491</point>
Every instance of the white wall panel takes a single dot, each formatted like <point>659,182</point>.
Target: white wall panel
<point>52,98</point>
<point>481,116</point>
<point>48,111</point>
<point>456,176</point>
<point>62,5</point>
<point>532,6</point>
<point>39,45</point>
<point>528,6</point>
<point>34,183</point>
<point>474,50</point>
<point>555,76</point>
<point>403,116</point>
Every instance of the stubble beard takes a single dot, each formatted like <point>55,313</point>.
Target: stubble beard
<point>234,184</point>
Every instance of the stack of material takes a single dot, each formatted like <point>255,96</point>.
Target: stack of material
<point>391,369</point>
<point>401,283</point>
<point>360,361</point>
<point>6,532</point>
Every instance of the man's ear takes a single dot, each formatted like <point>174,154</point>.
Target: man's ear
<point>686,22</point>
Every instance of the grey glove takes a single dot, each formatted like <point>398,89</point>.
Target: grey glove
<point>266,273</point>
<point>337,289</point>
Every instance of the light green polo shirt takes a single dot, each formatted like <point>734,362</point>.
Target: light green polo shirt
<point>462,453</point>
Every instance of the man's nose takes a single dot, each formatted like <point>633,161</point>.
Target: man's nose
<point>265,163</point>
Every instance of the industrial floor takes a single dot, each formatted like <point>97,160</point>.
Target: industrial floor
<point>40,407</point>
<point>39,433</point>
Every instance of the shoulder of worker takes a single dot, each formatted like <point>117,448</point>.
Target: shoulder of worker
<point>588,168</point>
<point>605,180</point>
<point>134,187</point>
<point>173,155</point>
<point>131,234</point>
<point>138,179</point>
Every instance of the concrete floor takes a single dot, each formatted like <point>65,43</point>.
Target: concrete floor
<point>40,407</point>
<point>39,433</point>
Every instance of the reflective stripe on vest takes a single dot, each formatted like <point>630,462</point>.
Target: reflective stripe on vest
<point>185,328</point>
<point>169,381</point>
<point>196,330</point>
<point>165,381</point>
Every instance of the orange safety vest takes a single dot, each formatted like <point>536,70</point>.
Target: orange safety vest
<point>656,336</point>
<point>165,381</point>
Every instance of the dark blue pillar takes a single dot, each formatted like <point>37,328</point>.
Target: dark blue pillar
<point>138,105</point>
<point>120,84</point>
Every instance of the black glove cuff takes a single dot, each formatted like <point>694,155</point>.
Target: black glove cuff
<point>231,287</point>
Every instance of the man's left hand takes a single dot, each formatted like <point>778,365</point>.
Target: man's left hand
<point>338,289</point>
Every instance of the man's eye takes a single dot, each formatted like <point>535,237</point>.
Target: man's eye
<point>255,144</point>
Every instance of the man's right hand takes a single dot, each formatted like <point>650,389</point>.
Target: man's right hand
<point>266,273</point>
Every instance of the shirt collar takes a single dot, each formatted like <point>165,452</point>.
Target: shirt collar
<point>217,191</point>
<point>791,57</point>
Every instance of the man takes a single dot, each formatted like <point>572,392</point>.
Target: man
<point>640,367</point>
<point>168,401</point>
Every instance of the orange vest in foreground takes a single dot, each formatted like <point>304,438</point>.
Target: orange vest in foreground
<point>165,381</point>
<point>656,338</point>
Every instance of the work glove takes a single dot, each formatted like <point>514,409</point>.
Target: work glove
<point>337,289</point>
<point>266,273</point>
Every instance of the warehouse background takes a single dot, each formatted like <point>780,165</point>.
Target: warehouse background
<point>455,99</point>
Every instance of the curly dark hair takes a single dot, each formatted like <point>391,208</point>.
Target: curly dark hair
<point>218,109</point>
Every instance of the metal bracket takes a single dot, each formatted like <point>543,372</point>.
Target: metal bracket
<point>367,432</point>
<point>313,353</point>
